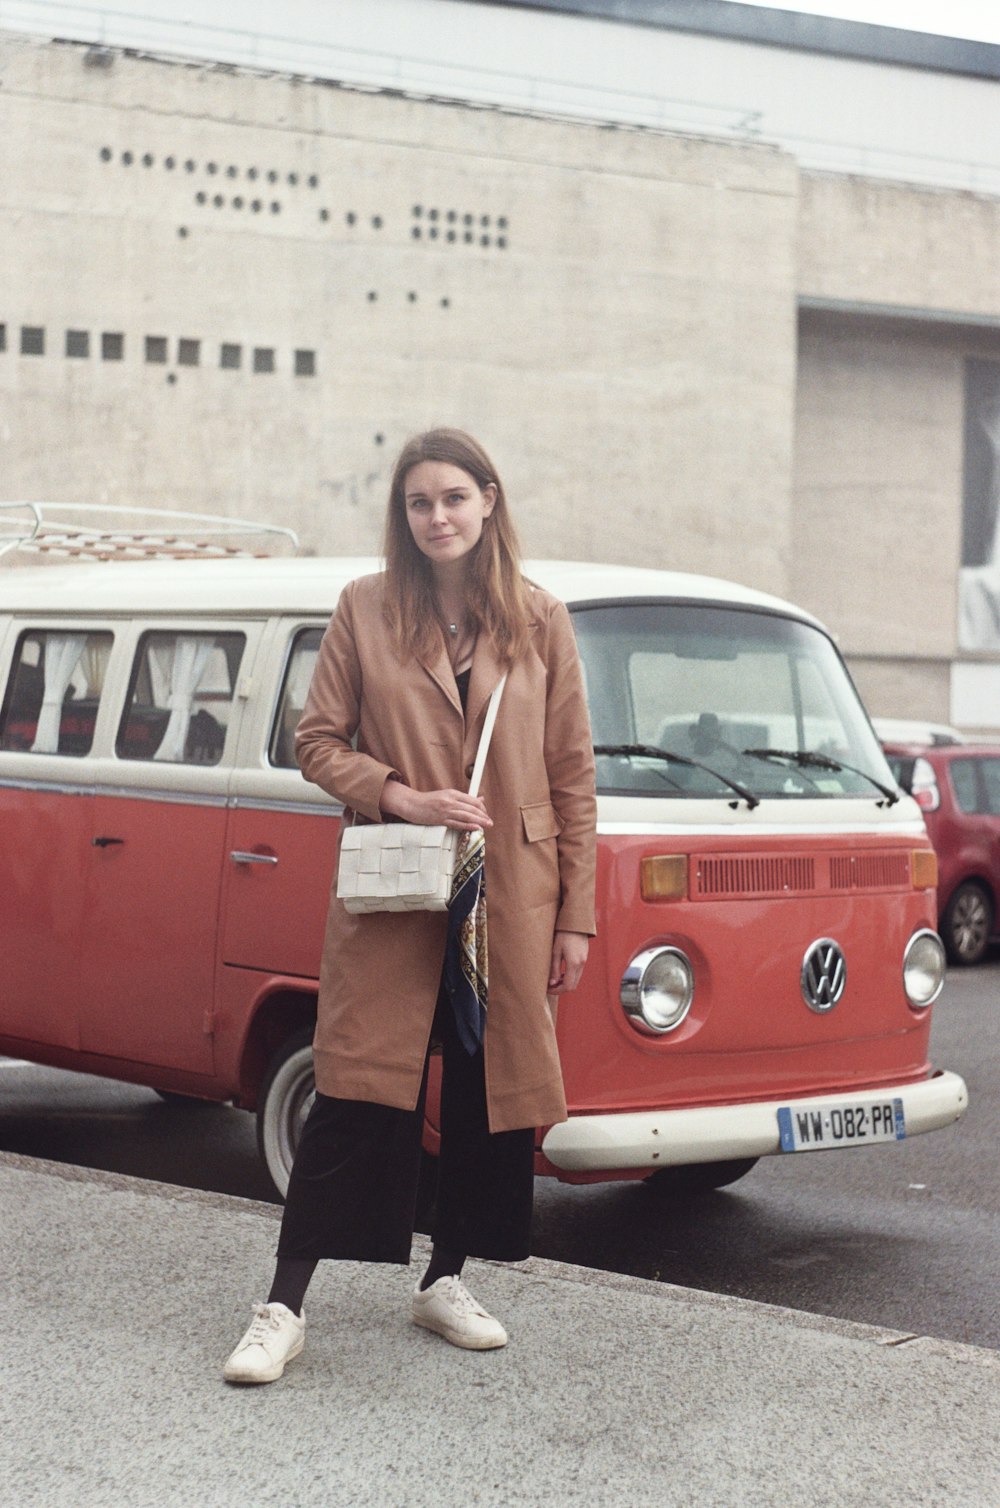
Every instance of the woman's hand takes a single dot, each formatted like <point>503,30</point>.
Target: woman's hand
<point>452,808</point>
<point>569,954</point>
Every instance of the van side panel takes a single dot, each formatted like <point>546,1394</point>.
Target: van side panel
<point>147,958</point>
<point>45,857</point>
<point>276,890</point>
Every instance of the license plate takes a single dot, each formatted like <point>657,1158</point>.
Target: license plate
<point>813,1128</point>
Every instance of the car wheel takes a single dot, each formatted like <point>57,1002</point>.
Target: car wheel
<point>285,1100</point>
<point>700,1177</point>
<point>967,924</point>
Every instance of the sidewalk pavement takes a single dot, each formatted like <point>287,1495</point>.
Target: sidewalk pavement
<point>122,1299</point>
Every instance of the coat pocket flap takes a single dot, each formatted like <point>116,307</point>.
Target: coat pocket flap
<point>540,821</point>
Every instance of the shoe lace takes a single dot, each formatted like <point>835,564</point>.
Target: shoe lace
<point>462,1299</point>
<point>264,1319</point>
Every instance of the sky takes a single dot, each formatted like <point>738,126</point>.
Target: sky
<point>978,19</point>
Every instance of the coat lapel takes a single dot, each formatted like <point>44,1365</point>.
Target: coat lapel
<point>438,667</point>
<point>486,672</point>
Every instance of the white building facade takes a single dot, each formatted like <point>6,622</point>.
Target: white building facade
<point>724,298</point>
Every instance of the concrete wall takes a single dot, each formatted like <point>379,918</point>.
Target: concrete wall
<point>681,351</point>
<point>619,330</point>
<point>900,287</point>
<point>878,484</point>
<point>894,244</point>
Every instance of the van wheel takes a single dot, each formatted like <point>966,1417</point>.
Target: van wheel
<point>699,1177</point>
<point>286,1097</point>
<point>967,924</point>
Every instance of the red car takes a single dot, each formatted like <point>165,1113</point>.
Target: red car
<point>958,789</point>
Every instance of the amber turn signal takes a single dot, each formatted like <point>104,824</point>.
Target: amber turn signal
<point>664,877</point>
<point>924,868</point>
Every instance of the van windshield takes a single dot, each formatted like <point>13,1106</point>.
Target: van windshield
<point>744,697</point>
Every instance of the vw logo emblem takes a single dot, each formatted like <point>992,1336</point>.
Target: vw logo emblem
<point>824,975</point>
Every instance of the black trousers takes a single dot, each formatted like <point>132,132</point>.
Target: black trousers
<point>353,1189</point>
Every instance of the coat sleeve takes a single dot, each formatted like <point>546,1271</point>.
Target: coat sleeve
<point>324,738</point>
<point>569,764</point>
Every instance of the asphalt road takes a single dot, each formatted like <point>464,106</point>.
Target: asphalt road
<point>903,1236</point>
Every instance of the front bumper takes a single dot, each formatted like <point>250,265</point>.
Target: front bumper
<point>716,1133</point>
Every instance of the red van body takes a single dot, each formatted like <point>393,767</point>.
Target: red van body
<point>766,964</point>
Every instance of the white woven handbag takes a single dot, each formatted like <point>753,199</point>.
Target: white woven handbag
<point>405,866</point>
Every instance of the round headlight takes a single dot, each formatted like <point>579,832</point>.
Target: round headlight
<point>923,969</point>
<point>657,989</point>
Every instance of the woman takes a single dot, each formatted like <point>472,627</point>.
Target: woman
<point>391,727</point>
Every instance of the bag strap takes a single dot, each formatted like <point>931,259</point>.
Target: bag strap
<point>484,742</point>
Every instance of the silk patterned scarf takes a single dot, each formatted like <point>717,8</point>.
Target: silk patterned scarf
<point>466,967</point>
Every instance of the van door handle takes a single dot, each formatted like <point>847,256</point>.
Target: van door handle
<point>252,858</point>
<point>105,842</point>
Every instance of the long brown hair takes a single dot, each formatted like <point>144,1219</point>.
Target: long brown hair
<point>496,597</point>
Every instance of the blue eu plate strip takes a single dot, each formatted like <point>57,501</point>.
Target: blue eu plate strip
<point>785,1129</point>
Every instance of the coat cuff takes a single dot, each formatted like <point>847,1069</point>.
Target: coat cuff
<point>366,800</point>
<point>569,920</point>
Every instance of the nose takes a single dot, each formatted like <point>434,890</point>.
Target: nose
<point>438,512</point>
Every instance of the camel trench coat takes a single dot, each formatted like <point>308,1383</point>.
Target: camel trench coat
<point>370,715</point>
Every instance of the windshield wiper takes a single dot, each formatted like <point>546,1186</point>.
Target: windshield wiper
<point>650,751</point>
<point>806,757</point>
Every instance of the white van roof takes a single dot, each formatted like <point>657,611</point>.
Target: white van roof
<point>312,584</point>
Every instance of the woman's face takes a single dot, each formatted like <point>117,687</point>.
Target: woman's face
<point>445,509</point>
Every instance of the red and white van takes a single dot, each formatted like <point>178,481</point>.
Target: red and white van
<point>766,963</point>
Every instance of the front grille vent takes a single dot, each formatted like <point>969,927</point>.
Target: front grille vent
<point>775,875</point>
<point>870,871</point>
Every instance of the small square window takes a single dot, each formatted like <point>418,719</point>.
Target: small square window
<point>32,340</point>
<point>156,349</point>
<point>263,359</point>
<point>77,343</point>
<point>112,346</point>
<point>181,697</point>
<point>231,357</point>
<point>188,353</point>
<point>305,363</point>
<point>51,701</point>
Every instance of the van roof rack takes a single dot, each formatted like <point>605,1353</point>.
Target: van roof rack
<point>63,531</point>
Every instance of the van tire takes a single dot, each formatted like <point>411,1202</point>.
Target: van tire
<point>699,1177</point>
<point>286,1095</point>
<point>967,923</point>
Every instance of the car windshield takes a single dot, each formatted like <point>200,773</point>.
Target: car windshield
<point>741,696</point>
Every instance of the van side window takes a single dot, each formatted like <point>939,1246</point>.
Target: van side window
<point>50,704</point>
<point>180,697</point>
<point>301,663</point>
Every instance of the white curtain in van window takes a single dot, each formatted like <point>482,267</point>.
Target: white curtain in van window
<point>62,655</point>
<point>159,663</point>
<point>191,655</point>
<point>95,662</point>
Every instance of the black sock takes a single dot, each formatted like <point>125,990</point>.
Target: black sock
<point>443,1264</point>
<point>291,1279</point>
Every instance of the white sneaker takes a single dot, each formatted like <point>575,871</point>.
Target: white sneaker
<point>448,1307</point>
<point>274,1337</point>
